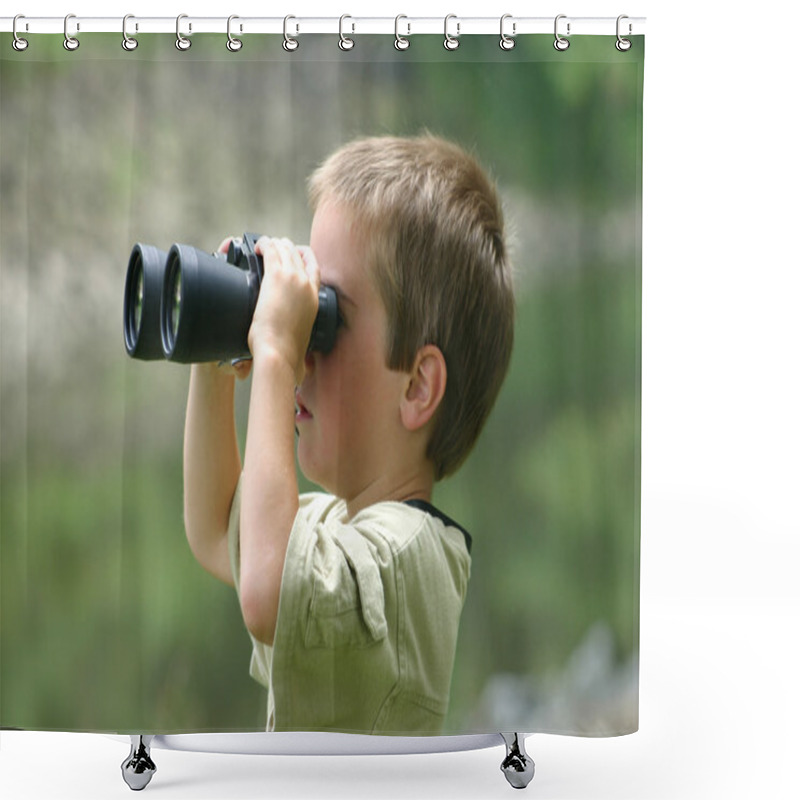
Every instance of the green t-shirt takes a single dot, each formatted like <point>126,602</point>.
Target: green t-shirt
<point>367,620</point>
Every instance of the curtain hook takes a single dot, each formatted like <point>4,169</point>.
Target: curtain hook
<point>401,42</point>
<point>507,42</point>
<point>70,42</point>
<point>129,43</point>
<point>623,44</point>
<point>19,44</point>
<point>234,44</point>
<point>181,42</point>
<point>561,43</point>
<point>289,43</point>
<point>344,42</point>
<point>451,42</point>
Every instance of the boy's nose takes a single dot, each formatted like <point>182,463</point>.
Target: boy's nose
<point>309,362</point>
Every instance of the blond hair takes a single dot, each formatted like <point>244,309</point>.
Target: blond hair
<point>433,227</point>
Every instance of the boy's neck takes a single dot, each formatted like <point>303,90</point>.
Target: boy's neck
<point>417,487</point>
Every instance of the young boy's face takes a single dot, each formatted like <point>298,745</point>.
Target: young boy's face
<point>348,404</point>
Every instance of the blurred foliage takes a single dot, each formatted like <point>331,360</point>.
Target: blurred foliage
<point>106,620</point>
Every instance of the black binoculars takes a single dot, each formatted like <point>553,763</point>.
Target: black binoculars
<point>191,306</point>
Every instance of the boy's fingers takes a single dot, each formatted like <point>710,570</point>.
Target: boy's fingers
<point>265,247</point>
<point>292,255</point>
<point>287,256</point>
<point>310,262</point>
<point>242,368</point>
<point>262,246</point>
<point>284,253</point>
<point>295,258</point>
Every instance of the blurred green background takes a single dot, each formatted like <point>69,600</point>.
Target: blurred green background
<point>107,622</point>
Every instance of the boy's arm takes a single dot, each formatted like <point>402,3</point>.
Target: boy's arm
<point>278,339</point>
<point>211,466</point>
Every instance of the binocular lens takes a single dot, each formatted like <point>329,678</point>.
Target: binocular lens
<point>173,299</point>
<point>176,305</point>
<point>138,300</point>
<point>171,303</point>
<point>143,286</point>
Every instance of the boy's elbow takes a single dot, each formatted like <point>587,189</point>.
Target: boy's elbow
<point>259,614</point>
<point>211,552</point>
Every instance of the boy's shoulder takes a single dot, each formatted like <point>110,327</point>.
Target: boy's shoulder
<point>396,523</point>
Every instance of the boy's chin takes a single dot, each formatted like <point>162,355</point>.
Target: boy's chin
<point>312,473</point>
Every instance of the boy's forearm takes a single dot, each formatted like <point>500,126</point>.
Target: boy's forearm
<point>269,492</point>
<point>211,466</point>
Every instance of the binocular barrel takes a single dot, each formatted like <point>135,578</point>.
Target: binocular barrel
<point>190,306</point>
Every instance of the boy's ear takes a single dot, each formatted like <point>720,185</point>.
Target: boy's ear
<point>424,389</point>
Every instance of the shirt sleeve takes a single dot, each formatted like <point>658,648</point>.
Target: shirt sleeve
<point>333,581</point>
<point>347,603</point>
<point>331,577</point>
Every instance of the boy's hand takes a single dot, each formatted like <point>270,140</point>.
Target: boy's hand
<point>287,303</point>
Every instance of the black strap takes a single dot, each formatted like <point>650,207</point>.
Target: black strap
<point>428,508</point>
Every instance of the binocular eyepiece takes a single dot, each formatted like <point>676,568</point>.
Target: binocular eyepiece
<point>191,306</point>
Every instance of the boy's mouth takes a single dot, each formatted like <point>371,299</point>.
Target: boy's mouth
<point>301,412</point>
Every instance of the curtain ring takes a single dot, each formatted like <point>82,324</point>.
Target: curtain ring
<point>289,43</point>
<point>70,42</point>
<point>234,44</point>
<point>507,42</point>
<point>181,42</point>
<point>19,44</point>
<point>561,43</point>
<point>129,43</point>
<point>451,42</point>
<point>344,42</point>
<point>623,44</point>
<point>401,42</point>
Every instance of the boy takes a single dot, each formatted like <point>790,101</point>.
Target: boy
<point>353,598</point>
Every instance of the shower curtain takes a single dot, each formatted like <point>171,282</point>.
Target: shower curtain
<point>108,623</point>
